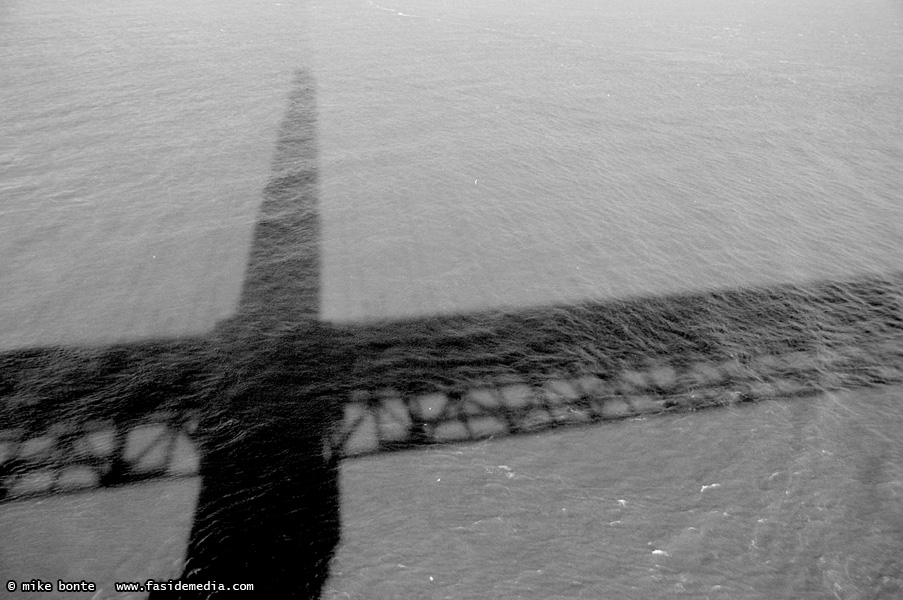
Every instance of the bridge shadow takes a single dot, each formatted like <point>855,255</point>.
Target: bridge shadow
<point>273,397</point>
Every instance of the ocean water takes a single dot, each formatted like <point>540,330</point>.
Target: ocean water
<point>136,141</point>
<point>797,499</point>
<point>471,155</point>
<point>474,156</point>
<point>505,154</point>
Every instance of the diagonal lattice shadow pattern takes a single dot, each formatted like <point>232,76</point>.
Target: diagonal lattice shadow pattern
<point>97,417</point>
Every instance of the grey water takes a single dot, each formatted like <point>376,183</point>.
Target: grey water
<point>479,156</point>
<point>524,153</point>
<point>136,141</point>
<point>471,156</point>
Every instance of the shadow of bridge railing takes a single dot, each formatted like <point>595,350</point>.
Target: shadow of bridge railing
<point>470,377</point>
<point>83,418</point>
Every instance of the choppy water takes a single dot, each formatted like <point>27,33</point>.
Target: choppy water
<point>794,499</point>
<point>136,141</point>
<point>476,156</point>
<point>472,155</point>
<point>482,154</point>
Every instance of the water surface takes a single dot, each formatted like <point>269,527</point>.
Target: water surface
<point>503,154</point>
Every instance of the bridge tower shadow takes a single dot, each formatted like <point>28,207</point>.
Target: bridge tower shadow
<point>268,509</point>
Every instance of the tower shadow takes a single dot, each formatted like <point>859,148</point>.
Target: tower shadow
<point>268,509</point>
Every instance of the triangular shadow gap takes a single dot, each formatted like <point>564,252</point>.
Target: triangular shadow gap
<point>77,418</point>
